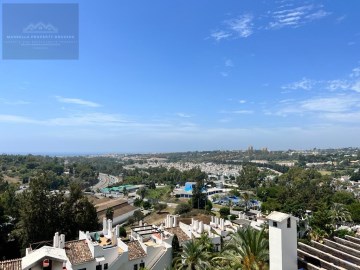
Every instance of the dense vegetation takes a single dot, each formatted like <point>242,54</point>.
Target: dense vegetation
<point>51,190</point>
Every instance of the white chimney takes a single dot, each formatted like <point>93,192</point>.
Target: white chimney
<point>221,223</point>
<point>201,227</point>
<point>282,241</point>
<point>171,221</point>
<point>104,226</point>
<point>196,227</point>
<point>117,231</point>
<point>62,241</point>
<point>140,223</point>
<point>167,221</point>
<point>175,221</point>
<point>56,240</point>
<point>109,228</point>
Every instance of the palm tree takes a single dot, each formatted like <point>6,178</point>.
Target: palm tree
<point>246,196</point>
<point>193,257</point>
<point>248,249</point>
<point>318,235</point>
<point>339,214</point>
<point>205,242</point>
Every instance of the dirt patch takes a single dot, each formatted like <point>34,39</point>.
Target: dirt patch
<point>157,219</point>
<point>12,180</point>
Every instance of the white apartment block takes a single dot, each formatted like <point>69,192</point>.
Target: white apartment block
<point>103,250</point>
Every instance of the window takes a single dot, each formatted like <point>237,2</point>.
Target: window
<point>105,266</point>
<point>274,223</point>
<point>135,267</point>
<point>289,223</point>
<point>99,267</point>
<point>142,265</point>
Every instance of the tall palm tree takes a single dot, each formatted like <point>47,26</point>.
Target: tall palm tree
<point>339,214</point>
<point>193,257</point>
<point>248,249</point>
<point>246,196</point>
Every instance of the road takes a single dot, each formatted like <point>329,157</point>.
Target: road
<point>105,180</point>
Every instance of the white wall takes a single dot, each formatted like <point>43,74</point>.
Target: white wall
<point>283,245</point>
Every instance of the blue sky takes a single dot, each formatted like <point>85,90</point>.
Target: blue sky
<point>156,76</point>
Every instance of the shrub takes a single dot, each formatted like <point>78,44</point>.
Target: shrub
<point>146,205</point>
<point>182,208</point>
<point>224,212</point>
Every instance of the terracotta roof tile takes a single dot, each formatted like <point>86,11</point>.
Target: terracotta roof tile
<point>135,250</point>
<point>180,234</point>
<point>78,251</point>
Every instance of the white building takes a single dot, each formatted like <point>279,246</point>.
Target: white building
<point>282,241</point>
<point>102,250</point>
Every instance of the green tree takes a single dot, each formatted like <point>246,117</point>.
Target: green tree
<point>125,192</point>
<point>206,242</point>
<point>142,193</point>
<point>246,197</point>
<point>198,198</point>
<point>122,232</point>
<point>322,221</point>
<point>343,197</point>
<point>138,202</point>
<point>138,215</point>
<point>354,210</point>
<point>146,204</point>
<point>247,249</point>
<point>193,257</point>
<point>224,212</point>
<point>175,246</point>
<point>249,177</point>
<point>109,213</point>
<point>160,206</point>
<point>339,214</point>
<point>182,208</point>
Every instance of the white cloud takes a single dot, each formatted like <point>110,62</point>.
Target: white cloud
<point>77,101</point>
<point>337,85</point>
<point>225,120</point>
<point>356,86</point>
<point>347,117</point>
<point>296,16</point>
<point>355,72</point>
<point>8,118</point>
<point>239,27</point>
<point>242,101</point>
<point>220,34</point>
<point>242,26</point>
<point>339,103</point>
<point>304,84</point>
<point>183,115</point>
<point>243,112</point>
<point>224,74</point>
<point>340,19</point>
<point>15,102</point>
<point>90,119</point>
<point>229,63</point>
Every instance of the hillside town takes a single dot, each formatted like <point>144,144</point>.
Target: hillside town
<point>152,210</point>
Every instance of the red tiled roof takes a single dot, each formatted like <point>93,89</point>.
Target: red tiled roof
<point>10,264</point>
<point>78,251</point>
<point>180,234</point>
<point>135,250</point>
